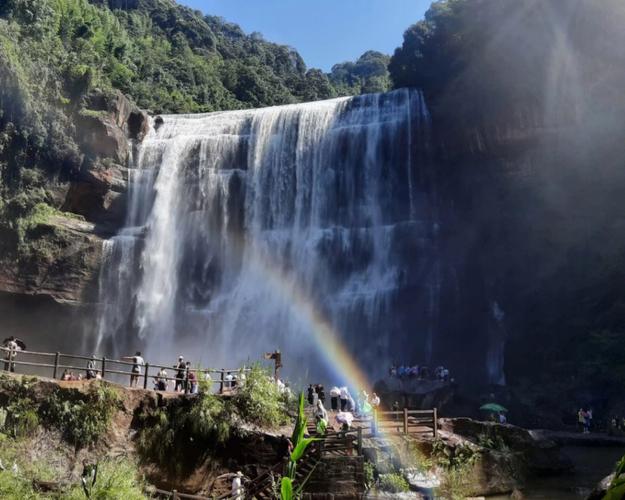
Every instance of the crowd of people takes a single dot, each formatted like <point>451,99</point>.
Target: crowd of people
<point>417,372</point>
<point>342,403</point>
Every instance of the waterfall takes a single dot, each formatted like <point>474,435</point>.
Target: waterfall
<point>236,218</point>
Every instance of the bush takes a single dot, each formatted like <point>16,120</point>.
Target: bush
<point>260,401</point>
<point>166,432</point>
<point>83,418</point>
<point>456,467</point>
<point>20,416</point>
<point>369,474</point>
<point>393,483</point>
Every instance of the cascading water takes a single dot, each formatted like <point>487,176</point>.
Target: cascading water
<point>233,215</point>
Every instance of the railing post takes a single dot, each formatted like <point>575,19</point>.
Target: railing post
<point>174,495</point>
<point>359,441</point>
<point>103,367</point>
<point>221,384</point>
<point>186,380</point>
<point>405,420</point>
<point>145,379</point>
<point>435,416</point>
<point>57,356</point>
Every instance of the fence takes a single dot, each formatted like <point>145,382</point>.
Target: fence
<point>107,368</point>
<point>405,421</point>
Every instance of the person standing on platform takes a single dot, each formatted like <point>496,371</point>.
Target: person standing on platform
<point>137,367</point>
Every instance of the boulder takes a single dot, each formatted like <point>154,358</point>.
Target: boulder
<point>542,455</point>
<point>600,490</point>
<point>108,123</point>
<point>99,195</point>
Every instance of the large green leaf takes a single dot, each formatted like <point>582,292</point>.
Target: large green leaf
<point>616,491</point>
<point>300,423</point>
<point>299,450</point>
<point>286,488</point>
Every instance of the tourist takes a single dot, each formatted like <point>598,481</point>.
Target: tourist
<point>181,368</point>
<point>445,375</point>
<point>502,418</point>
<point>11,347</point>
<point>345,397</point>
<point>375,401</point>
<point>351,404</point>
<point>321,394</point>
<point>344,419</point>
<point>66,375</point>
<point>91,370</point>
<point>320,411</point>
<point>192,385</point>
<point>581,420</point>
<point>335,394</point>
<point>237,487</point>
<point>137,364</point>
<point>392,372</point>
<point>311,392</point>
<point>160,381</point>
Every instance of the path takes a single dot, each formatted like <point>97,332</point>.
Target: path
<point>565,438</point>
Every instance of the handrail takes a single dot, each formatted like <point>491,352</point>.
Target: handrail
<point>104,366</point>
<point>409,420</point>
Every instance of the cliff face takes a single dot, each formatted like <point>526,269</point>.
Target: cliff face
<point>51,261</point>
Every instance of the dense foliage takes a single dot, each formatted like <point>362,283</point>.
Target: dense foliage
<point>483,62</point>
<point>82,417</point>
<point>368,74</point>
<point>209,421</point>
<point>260,401</point>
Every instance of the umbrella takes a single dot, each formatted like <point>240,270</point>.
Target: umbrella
<point>493,407</point>
<point>19,342</point>
<point>344,418</point>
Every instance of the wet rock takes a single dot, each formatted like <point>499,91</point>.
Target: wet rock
<point>600,490</point>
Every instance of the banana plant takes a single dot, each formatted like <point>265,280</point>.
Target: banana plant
<point>300,444</point>
<point>616,490</point>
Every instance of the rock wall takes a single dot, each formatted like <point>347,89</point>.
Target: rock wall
<point>49,275</point>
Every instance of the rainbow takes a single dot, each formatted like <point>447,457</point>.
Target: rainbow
<point>325,337</point>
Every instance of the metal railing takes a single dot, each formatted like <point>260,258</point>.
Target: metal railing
<point>53,363</point>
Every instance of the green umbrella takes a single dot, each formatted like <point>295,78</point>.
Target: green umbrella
<point>493,407</point>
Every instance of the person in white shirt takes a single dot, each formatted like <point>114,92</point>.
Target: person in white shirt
<point>375,401</point>
<point>10,354</point>
<point>137,364</point>
<point>237,487</point>
<point>345,397</point>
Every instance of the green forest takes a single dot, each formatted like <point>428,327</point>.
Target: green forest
<point>166,57</point>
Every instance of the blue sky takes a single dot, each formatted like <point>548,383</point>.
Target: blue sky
<point>324,32</point>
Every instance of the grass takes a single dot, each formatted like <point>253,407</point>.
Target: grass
<point>116,479</point>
